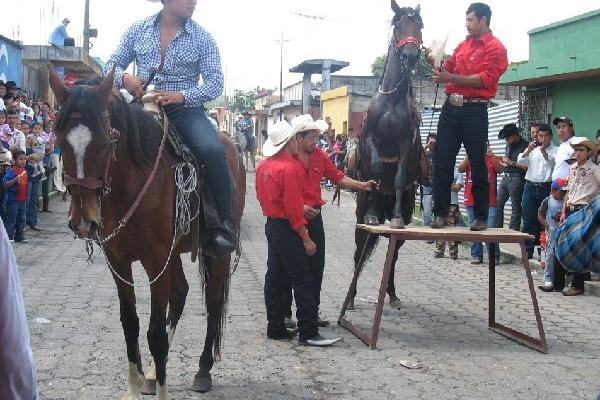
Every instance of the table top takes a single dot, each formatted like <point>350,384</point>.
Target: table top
<point>495,235</point>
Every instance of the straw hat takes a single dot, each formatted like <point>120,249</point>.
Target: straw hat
<point>278,136</point>
<point>583,141</point>
<point>5,157</point>
<point>305,122</point>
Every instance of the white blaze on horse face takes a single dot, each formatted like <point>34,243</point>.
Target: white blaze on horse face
<point>79,138</point>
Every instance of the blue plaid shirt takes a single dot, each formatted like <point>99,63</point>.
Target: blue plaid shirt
<point>192,54</point>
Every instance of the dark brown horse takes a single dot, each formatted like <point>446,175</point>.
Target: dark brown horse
<point>390,148</point>
<point>107,143</point>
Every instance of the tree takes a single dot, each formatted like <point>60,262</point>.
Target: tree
<point>242,100</point>
<point>378,66</point>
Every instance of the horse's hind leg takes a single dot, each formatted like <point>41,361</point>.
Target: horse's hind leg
<point>217,287</point>
<point>131,330</point>
<point>178,289</point>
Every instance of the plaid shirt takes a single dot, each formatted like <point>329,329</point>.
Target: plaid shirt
<point>192,54</point>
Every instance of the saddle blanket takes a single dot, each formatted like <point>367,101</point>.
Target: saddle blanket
<point>578,247</point>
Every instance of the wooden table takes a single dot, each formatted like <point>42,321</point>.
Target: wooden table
<point>492,235</point>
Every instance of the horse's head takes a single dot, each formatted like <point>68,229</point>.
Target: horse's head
<point>407,38</point>
<point>86,141</point>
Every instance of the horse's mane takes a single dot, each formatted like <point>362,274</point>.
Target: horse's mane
<point>141,129</point>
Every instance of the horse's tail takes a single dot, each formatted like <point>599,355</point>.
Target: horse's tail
<point>365,242</point>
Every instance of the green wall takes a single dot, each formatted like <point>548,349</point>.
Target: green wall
<point>580,100</point>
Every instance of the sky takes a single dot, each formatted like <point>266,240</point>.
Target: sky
<point>248,32</point>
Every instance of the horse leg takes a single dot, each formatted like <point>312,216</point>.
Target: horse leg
<point>217,288</point>
<point>377,171</point>
<point>178,289</point>
<point>391,288</point>
<point>131,329</point>
<point>158,340</point>
<point>365,244</point>
<point>399,186</point>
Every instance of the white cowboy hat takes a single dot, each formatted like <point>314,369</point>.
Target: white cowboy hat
<point>278,136</point>
<point>5,157</point>
<point>305,122</point>
<point>583,141</point>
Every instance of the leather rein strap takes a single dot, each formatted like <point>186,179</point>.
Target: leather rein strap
<point>406,40</point>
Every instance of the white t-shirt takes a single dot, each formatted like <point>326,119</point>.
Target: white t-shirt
<point>16,360</point>
<point>561,168</point>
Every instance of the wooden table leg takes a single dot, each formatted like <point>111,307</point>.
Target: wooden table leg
<point>536,344</point>
<point>370,340</point>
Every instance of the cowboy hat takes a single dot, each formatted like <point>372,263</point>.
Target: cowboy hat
<point>305,122</point>
<point>278,136</point>
<point>583,141</point>
<point>5,157</point>
<point>566,120</point>
<point>508,130</point>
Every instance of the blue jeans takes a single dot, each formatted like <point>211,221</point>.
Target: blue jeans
<point>15,219</point>
<point>33,190</point>
<point>477,247</point>
<point>427,200</point>
<point>533,195</point>
<point>550,250</point>
<point>201,137</point>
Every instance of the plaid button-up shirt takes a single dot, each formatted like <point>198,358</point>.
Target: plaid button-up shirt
<point>192,54</point>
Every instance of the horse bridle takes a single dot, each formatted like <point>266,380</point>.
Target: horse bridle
<point>91,182</point>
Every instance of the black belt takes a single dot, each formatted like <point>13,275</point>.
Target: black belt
<point>509,174</point>
<point>540,184</point>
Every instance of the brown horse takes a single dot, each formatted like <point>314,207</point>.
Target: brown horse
<point>110,149</point>
<point>390,148</point>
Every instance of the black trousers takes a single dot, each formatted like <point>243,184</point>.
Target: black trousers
<point>316,262</point>
<point>287,263</point>
<point>202,139</point>
<point>466,125</point>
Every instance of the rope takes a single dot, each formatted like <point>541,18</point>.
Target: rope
<point>437,87</point>
<point>186,181</point>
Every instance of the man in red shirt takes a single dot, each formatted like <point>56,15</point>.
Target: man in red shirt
<point>279,181</point>
<point>471,76</point>
<point>316,165</point>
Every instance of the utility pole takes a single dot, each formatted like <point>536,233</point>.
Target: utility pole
<point>281,41</point>
<point>86,27</point>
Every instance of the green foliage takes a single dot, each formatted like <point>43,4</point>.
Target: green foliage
<point>242,100</point>
<point>422,70</point>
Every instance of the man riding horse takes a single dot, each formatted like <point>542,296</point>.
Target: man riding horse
<point>182,52</point>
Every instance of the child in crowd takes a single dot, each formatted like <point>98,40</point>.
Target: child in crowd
<point>6,136</point>
<point>15,183</point>
<point>549,215</point>
<point>454,216</point>
<point>37,144</point>
<point>5,161</point>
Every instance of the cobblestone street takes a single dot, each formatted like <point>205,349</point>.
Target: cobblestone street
<point>80,352</point>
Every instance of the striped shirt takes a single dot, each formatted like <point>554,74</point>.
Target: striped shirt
<point>193,54</point>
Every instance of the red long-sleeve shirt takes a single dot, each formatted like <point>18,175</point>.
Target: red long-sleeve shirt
<point>279,181</point>
<point>319,165</point>
<point>485,56</point>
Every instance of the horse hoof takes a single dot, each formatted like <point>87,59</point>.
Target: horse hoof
<point>202,384</point>
<point>149,386</point>
<point>371,220</point>
<point>395,303</point>
<point>397,223</point>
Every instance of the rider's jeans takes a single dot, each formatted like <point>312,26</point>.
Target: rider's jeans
<point>202,139</point>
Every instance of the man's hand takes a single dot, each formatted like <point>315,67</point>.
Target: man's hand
<point>441,76</point>
<point>166,98</point>
<point>562,217</point>
<point>310,212</point>
<point>531,146</point>
<point>133,84</point>
<point>369,186</point>
<point>309,247</point>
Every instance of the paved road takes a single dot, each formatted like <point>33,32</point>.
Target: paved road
<point>80,354</point>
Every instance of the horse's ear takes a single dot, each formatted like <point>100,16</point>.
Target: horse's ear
<point>395,7</point>
<point>105,88</point>
<point>418,9</point>
<point>57,85</point>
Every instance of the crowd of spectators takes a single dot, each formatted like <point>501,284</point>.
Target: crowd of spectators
<point>545,184</point>
<point>28,160</point>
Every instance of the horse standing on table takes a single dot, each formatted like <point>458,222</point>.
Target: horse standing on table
<point>112,152</point>
<point>390,148</point>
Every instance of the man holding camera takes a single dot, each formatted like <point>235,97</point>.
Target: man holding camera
<point>539,157</point>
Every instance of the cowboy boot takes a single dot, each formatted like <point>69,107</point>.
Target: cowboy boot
<point>45,202</point>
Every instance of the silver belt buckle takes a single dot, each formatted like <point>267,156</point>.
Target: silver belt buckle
<point>456,99</point>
